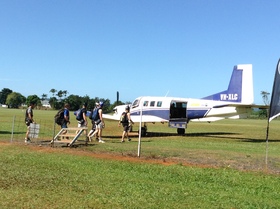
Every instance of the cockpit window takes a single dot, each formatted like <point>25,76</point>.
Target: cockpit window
<point>135,103</point>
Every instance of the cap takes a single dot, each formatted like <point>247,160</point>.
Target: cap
<point>101,104</point>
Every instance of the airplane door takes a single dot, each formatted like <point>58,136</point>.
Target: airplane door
<point>178,110</point>
<point>178,116</point>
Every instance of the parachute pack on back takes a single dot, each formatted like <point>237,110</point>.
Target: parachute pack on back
<point>124,118</point>
<point>94,114</point>
<point>79,114</point>
<point>59,117</point>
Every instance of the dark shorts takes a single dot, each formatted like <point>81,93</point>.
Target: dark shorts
<point>81,123</point>
<point>126,127</point>
<point>28,122</point>
<point>64,125</point>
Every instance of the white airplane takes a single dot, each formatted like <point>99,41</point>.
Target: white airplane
<point>233,103</point>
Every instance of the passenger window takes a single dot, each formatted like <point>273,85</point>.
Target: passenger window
<point>152,104</point>
<point>159,104</point>
<point>146,103</point>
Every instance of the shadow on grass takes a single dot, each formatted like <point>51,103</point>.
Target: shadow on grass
<point>257,140</point>
<point>134,136</point>
<point>188,135</point>
<point>5,132</point>
<point>79,143</point>
<point>160,134</point>
<point>9,132</point>
<point>223,135</point>
<point>242,139</point>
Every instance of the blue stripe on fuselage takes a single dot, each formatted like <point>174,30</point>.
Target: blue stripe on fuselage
<point>161,113</point>
<point>193,114</point>
<point>164,113</point>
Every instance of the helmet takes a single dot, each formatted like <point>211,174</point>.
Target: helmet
<point>101,104</point>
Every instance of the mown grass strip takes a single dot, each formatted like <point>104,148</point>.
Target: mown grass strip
<point>34,179</point>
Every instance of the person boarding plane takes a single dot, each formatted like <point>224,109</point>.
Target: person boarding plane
<point>233,103</point>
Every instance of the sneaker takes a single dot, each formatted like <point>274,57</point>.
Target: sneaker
<point>27,140</point>
<point>101,141</point>
<point>122,141</point>
<point>129,140</point>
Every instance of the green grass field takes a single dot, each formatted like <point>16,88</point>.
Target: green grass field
<point>215,165</point>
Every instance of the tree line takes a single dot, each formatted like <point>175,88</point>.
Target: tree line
<point>56,101</point>
<point>59,98</point>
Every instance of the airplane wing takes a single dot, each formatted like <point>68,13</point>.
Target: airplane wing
<point>242,105</point>
<point>209,119</point>
<point>111,117</point>
<point>117,113</point>
<point>233,111</point>
<point>212,119</point>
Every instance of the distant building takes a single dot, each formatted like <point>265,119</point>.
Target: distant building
<point>46,103</point>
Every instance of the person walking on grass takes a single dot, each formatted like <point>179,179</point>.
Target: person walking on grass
<point>97,119</point>
<point>126,122</point>
<point>66,118</point>
<point>81,116</point>
<point>28,120</point>
<point>92,115</point>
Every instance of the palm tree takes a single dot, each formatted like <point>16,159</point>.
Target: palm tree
<point>59,94</point>
<point>53,91</point>
<point>64,93</point>
<point>44,97</point>
<point>265,97</point>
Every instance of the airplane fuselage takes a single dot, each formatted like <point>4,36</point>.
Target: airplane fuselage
<point>164,109</point>
<point>234,102</point>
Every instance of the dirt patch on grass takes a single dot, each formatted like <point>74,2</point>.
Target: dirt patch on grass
<point>199,162</point>
<point>108,156</point>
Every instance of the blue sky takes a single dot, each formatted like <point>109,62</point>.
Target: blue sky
<point>182,48</point>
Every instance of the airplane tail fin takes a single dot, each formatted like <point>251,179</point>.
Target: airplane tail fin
<point>240,88</point>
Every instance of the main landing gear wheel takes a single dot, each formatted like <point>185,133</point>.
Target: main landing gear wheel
<point>181,131</point>
<point>143,131</point>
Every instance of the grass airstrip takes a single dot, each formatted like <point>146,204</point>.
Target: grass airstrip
<point>215,165</point>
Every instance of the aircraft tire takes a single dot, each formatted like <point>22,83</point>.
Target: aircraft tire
<point>143,131</point>
<point>181,131</point>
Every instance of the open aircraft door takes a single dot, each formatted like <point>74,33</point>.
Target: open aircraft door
<point>178,116</point>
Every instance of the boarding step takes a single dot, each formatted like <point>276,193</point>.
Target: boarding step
<point>62,138</point>
<point>178,123</point>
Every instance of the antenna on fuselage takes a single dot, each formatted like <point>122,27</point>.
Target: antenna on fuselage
<point>166,93</point>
